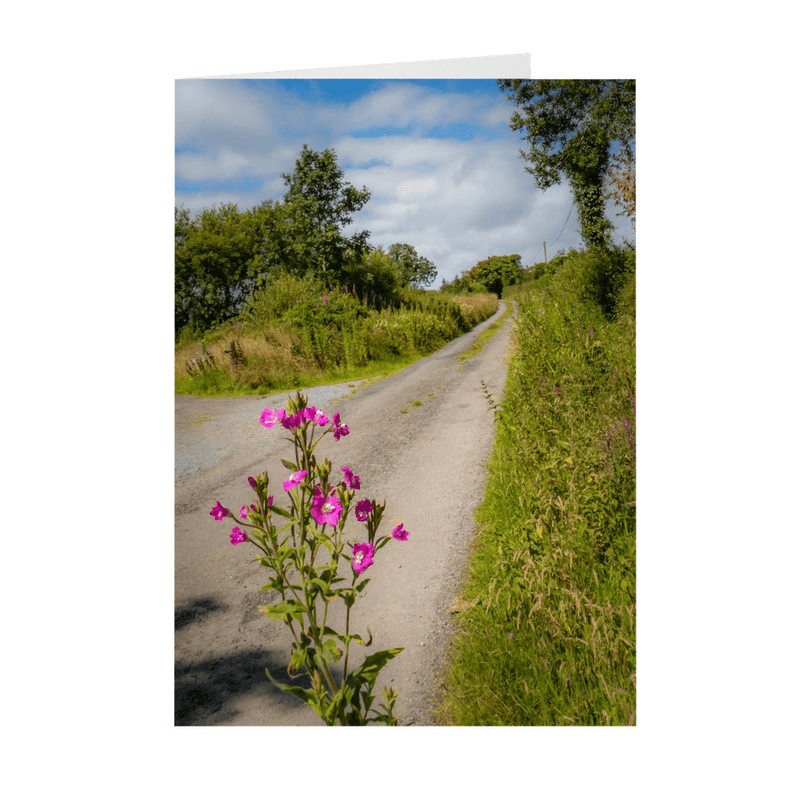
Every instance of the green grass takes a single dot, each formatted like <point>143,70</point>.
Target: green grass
<point>221,384</point>
<point>485,337</point>
<point>331,339</point>
<point>548,613</point>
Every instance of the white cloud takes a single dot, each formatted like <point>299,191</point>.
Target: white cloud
<point>402,105</point>
<point>416,188</point>
<point>224,165</point>
<point>456,201</point>
<point>216,113</point>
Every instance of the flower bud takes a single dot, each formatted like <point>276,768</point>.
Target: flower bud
<point>325,469</point>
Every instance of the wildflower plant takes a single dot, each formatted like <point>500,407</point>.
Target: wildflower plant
<point>302,544</point>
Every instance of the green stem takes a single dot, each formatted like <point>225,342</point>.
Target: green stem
<point>347,634</point>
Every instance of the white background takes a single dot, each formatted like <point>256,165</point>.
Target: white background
<point>88,288</point>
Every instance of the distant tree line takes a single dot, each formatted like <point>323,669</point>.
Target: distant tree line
<point>223,255</point>
<point>490,275</point>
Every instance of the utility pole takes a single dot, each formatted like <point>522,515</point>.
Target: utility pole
<point>545,251</point>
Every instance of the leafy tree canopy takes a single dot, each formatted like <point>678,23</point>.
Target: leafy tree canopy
<point>224,256</point>
<point>373,277</point>
<point>490,275</point>
<point>318,204</point>
<point>570,127</point>
<point>412,268</point>
<point>213,253</point>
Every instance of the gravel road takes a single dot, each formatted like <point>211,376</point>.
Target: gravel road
<point>419,440</point>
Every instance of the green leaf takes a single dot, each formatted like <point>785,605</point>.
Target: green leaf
<point>372,665</point>
<point>297,691</point>
<point>324,587</point>
<point>352,637</point>
<point>281,512</point>
<point>286,611</point>
<point>330,652</point>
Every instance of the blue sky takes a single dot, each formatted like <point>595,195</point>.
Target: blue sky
<point>438,156</point>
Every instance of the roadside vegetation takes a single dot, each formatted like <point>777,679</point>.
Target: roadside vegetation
<point>277,297</point>
<point>548,626</point>
<point>297,332</point>
<point>485,337</point>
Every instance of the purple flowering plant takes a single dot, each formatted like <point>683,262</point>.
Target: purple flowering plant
<point>302,543</point>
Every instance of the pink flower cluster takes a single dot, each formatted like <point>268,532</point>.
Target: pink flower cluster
<point>271,417</point>
<point>326,508</point>
<point>339,429</point>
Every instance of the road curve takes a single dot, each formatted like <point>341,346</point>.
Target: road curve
<point>419,440</point>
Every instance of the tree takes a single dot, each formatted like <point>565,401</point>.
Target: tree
<point>492,274</point>
<point>497,272</point>
<point>213,253</point>
<point>318,204</point>
<point>281,233</point>
<point>571,127</point>
<point>412,269</point>
<point>374,278</point>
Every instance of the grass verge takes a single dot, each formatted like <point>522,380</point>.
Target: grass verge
<point>222,384</point>
<point>484,338</point>
<point>548,612</point>
<point>313,343</point>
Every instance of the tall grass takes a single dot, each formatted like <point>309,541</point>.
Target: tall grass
<point>548,637</point>
<point>297,332</point>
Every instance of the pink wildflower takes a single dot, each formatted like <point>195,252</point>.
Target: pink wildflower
<point>238,536</point>
<point>219,511</point>
<point>243,512</point>
<point>321,418</point>
<point>400,533</point>
<point>293,421</point>
<point>339,429</point>
<point>295,479</point>
<point>362,556</point>
<point>350,480</point>
<point>269,416</point>
<point>363,507</point>
<point>326,510</point>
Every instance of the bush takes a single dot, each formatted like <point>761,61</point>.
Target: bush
<point>374,279</point>
<point>294,330</point>
<point>597,275</point>
<point>548,627</point>
<point>279,294</point>
<point>320,323</point>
